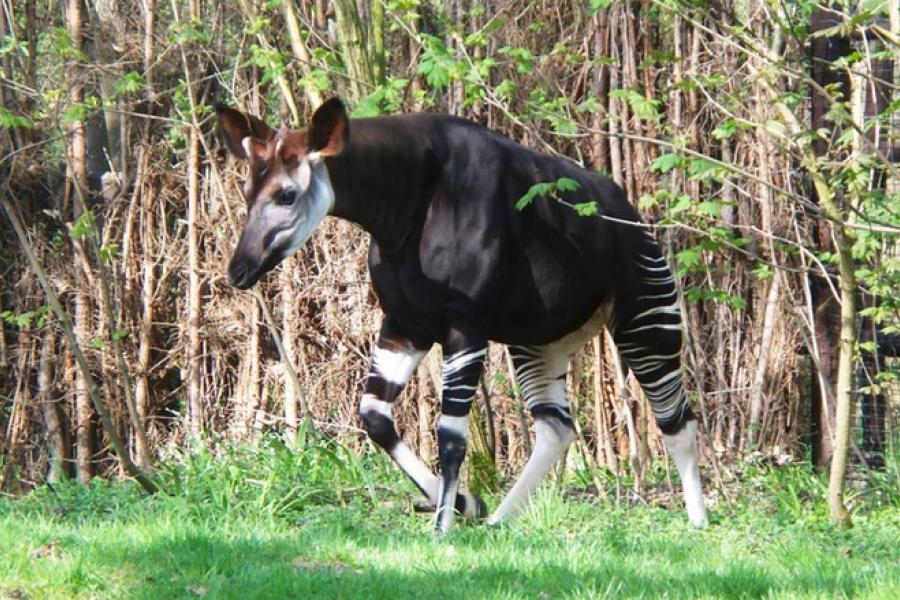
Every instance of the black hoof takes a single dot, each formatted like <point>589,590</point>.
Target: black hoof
<point>481,509</point>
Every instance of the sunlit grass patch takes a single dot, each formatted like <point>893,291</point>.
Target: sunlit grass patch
<point>269,522</point>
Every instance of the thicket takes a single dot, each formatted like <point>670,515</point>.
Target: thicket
<point>759,138</point>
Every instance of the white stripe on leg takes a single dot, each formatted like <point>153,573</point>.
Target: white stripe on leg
<point>683,448</point>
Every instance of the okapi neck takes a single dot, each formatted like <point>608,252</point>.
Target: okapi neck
<point>377,184</point>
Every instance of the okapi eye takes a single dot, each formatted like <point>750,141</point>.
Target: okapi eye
<point>287,197</point>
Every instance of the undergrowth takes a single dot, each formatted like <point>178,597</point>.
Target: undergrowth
<point>266,521</point>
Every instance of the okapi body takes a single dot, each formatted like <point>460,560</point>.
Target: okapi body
<point>454,262</point>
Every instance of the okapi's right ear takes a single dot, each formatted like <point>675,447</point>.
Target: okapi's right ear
<point>329,129</point>
<point>237,127</point>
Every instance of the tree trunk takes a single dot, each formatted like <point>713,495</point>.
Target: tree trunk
<point>768,313</point>
<point>57,446</point>
<point>843,396</point>
<point>77,171</point>
<point>352,36</point>
<point>376,37</point>
<point>194,358</point>
<point>826,312</point>
<point>301,52</point>
<point>288,310</point>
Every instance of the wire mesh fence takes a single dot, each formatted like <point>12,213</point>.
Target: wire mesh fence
<point>877,408</point>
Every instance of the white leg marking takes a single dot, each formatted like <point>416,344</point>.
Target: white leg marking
<point>371,402</point>
<point>407,460</point>
<point>549,446</point>
<point>458,425</point>
<point>396,367</point>
<point>683,448</point>
<point>444,516</point>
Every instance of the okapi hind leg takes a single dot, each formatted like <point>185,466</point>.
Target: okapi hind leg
<point>649,339</point>
<point>683,448</point>
<point>541,375</point>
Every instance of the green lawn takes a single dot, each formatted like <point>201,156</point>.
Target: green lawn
<point>229,532</point>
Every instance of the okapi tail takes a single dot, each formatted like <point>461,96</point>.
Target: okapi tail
<point>647,329</point>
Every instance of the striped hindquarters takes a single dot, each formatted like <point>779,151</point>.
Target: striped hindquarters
<point>647,331</point>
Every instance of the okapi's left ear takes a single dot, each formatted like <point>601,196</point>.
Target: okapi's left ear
<point>237,126</point>
<point>329,130</point>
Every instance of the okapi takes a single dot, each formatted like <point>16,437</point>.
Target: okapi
<point>454,262</point>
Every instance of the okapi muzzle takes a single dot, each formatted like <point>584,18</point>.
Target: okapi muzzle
<point>288,190</point>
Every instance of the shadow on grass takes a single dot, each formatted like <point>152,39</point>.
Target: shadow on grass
<point>356,561</point>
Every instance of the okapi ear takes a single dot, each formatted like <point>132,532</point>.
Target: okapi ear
<point>236,126</point>
<point>329,131</point>
<point>291,146</point>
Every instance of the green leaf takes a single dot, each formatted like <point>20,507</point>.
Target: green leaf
<point>775,127</point>
<point>76,112</point>
<point>665,163</point>
<point>725,130</point>
<point>84,225</point>
<point>700,168</point>
<point>682,203</point>
<point>762,271</point>
<point>737,302</point>
<point>436,64</point>
<point>645,108</point>
<point>565,184</point>
<point>586,209</point>
<point>538,189</point>
<point>130,82</point>
<point>522,57</point>
<point>547,188</point>
<point>647,201</point>
<point>505,88</point>
<point>8,120</point>
<point>108,252</point>
<point>598,5</point>
<point>689,259</point>
<point>589,105</point>
<point>711,208</point>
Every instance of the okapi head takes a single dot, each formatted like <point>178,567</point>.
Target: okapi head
<point>288,191</point>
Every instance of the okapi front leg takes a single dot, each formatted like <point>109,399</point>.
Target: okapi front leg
<point>462,370</point>
<point>394,360</point>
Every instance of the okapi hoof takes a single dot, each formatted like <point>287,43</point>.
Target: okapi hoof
<point>423,507</point>
<point>481,509</point>
<point>469,505</point>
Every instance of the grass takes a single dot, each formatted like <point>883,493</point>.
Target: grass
<point>266,522</point>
